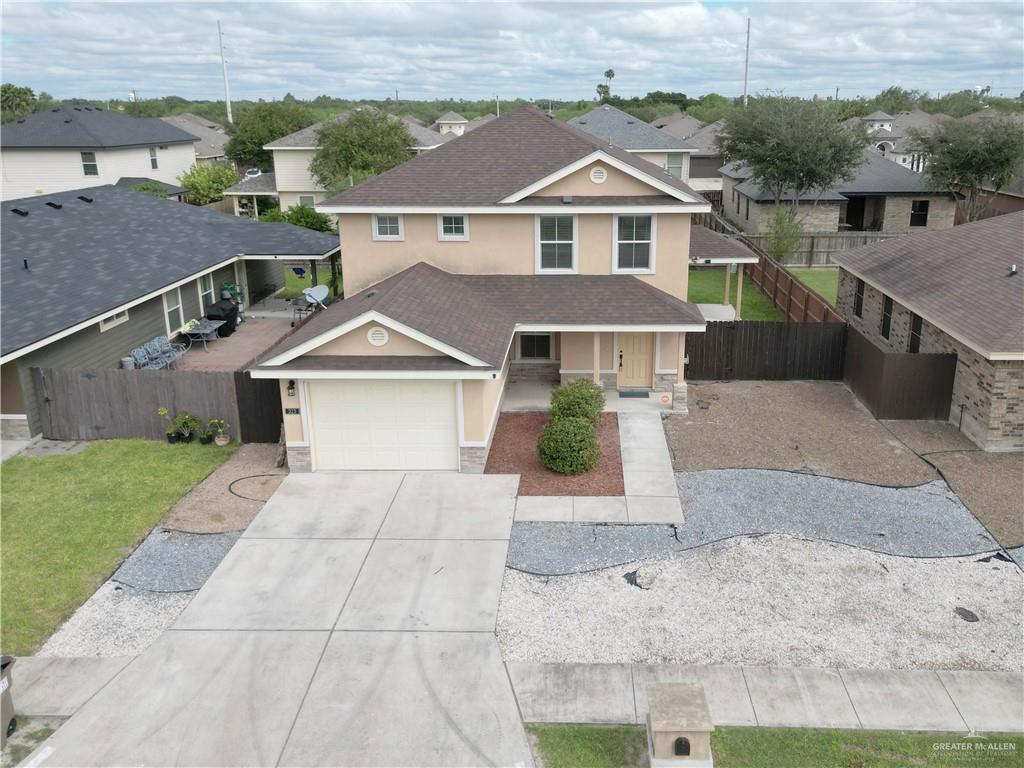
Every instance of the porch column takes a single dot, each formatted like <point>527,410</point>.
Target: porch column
<point>739,290</point>
<point>312,272</point>
<point>234,202</point>
<point>597,358</point>
<point>679,388</point>
<point>728,278</point>
<point>255,208</point>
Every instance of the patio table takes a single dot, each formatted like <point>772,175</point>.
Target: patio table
<point>204,331</point>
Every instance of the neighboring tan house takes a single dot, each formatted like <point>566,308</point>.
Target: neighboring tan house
<point>958,291</point>
<point>882,197</point>
<point>565,258</point>
<point>87,275</point>
<point>620,129</point>
<point>891,135</point>
<point>706,158</point>
<point>212,137</point>
<point>75,146</point>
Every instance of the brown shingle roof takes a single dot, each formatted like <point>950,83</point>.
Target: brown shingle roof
<point>957,279</point>
<point>708,244</point>
<point>477,314</point>
<point>487,165</point>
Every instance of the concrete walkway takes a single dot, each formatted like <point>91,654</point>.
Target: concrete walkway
<point>907,700</point>
<point>352,624</point>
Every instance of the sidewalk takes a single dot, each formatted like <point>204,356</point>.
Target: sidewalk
<point>779,697</point>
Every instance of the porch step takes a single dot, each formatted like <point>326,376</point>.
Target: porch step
<point>634,393</point>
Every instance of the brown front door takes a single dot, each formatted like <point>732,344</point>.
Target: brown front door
<point>636,360</point>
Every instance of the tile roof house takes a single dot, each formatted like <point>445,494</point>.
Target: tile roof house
<point>87,275</point>
<point>74,146</point>
<point>212,137</point>
<point>954,291</point>
<point>469,266</point>
<point>881,197</point>
<point>613,126</point>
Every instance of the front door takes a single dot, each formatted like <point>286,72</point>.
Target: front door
<point>636,359</point>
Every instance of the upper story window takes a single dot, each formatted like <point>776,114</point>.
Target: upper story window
<point>307,200</point>
<point>89,165</point>
<point>919,213</point>
<point>152,159</point>
<point>634,244</point>
<point>674,164</point>
<point>858,299</point>
<point>390,227</point>
<point>172,311</point>
<point>886,317</point>
<point>556,244</point>
<point>452,227</point>
<point>206,296</point>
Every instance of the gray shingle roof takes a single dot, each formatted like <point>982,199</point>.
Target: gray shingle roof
<point>88,258</point>
<point>423,136</point>
<point>708,244</point>
<point>613,126</point>
<point>478,168</point>
<point>212,138</point>
<point>264,184</point>
<point>704,138</point>
<point>86,127</point>
<point>307,137</point>
<point>878,115</point>
<point>682,126</point>
<point>956,279</point>
<point>451,117</point>
<point>477,314</point>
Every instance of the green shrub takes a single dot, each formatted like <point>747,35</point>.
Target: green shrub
<point>568,446</point>
<point>580,398</point>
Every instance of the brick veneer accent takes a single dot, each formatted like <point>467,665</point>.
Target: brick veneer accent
<point>991,392</point>
<point>941,213</point>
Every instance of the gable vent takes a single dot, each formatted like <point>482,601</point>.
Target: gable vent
<point>85,199</point>
<point>19,211</point>
<point>55,206</point>
<point>598,175</point>
<point>377,336</point>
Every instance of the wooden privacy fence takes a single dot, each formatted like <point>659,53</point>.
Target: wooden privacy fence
<point>758,349</point>
<point>104,403</point>
<point>816,248</point>
<point>899,385</point>
<point>797,302</point>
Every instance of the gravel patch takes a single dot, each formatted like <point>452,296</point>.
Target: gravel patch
<point>211,507</point>
<point>514,452</point>
<point>116,621</point>
<point>929,436</point>
<point>809,426</point>
<point>772,600</point>
<point>168,561</point>
<point>991,485</point>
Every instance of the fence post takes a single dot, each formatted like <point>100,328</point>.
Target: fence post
<point>810,253</point>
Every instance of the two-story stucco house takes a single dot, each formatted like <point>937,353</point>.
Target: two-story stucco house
<point>76,146</point>
<point>465,263</point>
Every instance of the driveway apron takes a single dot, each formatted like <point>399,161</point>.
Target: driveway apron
<point>352,624</point>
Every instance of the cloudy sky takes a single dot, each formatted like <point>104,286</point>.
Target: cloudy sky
<point>515,49</point>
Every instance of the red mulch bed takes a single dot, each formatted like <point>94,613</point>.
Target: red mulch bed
<point>514,452</point>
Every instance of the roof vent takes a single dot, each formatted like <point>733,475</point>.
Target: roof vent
<point>370,294</point>
<point>77,109</point>
<point>566,199</point>
<point>1013,270</point>
<point>55,206</point>
<point>55,109</point>
<point>85,199</point>
<point>19,211</point>
<point>582,122</point>
<point>67,120</point>
<point>22,120</point>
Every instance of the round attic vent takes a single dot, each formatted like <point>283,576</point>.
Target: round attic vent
<point>598,175</point>
<point>378,336</point>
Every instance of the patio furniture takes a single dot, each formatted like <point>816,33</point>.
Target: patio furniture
<point>165,357</point>
<point>143,359</point>
<point>204,330</point>
<point>169,350</point>
<point>301,306</point>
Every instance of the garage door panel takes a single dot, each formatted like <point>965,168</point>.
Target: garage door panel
<point>384,425</point>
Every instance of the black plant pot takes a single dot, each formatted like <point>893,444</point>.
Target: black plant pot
<point>186,438</point>
<point>205,439</point>
<point>172,437</point>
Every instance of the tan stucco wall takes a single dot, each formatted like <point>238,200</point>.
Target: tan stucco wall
<point>503,244</point>
<point>355,343</point>
<point>480,398</point>
<point>668,358</point>
<point>578,351</point>
<point>617,183</point>
<point>292,423</point>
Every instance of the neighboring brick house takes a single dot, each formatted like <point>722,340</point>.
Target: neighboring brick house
<point>951,292</point>
<point>882,197</point>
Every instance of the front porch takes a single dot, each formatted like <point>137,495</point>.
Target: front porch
<point>528,395</point>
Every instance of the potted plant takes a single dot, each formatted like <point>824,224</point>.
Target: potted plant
<point>218,427</point>
<point>206,435</point>
<point>186,425</point>
<point>171,432</point>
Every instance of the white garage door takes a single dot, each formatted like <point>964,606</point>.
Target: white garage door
<point>384,425</point>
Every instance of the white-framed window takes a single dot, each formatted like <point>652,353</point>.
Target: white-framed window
<point>674,164</point>
<point>556,244</point>
<point>152,159</point>
<point>173,317</point>
<point>206,294</point>
<point>388,227</point>
<point>452,226</point>
<point>535,346</point>
<point>634,243</point>
<point>113,321</point>
<point>89,165</point>
<point>307,200</point>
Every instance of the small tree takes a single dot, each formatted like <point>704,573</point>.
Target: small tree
<point>367,143</point>
<point>970,157</point>
<point>784,233</point>
<point>261,125</point>
<point>604,91</point>
<point>16,101</point>
<point>792,148</point>
<point>300,216</point>
<point>206,183</point>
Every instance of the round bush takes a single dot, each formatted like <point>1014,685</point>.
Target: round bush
<point>568,446</point>
<point>580,398</point>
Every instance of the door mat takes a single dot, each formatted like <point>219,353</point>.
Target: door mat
<point>634,393</point>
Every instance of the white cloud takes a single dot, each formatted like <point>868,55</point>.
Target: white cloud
<point>476,49</point>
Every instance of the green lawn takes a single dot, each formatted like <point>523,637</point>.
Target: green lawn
<point>68,521</point>
<point>293,284</point>
<point>579,746</point>
<point>824,281</point>
<point>707,285</point>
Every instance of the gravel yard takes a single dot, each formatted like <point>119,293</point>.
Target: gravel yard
<point>772,600</point>
<point>168,561</point>
<point>817,427</point>
<point>991,485</point>
<point>514,452</point>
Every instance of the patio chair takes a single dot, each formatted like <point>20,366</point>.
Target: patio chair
<point>156,352</point>
<point>173,348</point>
<point>143,359</point>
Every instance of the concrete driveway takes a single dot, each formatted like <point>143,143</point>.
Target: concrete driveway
<point>352,624</point>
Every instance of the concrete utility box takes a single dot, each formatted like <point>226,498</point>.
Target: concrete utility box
<point>679,726</point>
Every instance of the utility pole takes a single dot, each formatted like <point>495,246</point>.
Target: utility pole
<point>396,98</point>
<point>837,93</point>
<point>224,67</point>
<point>497,106</point>
<point>746,65</point>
